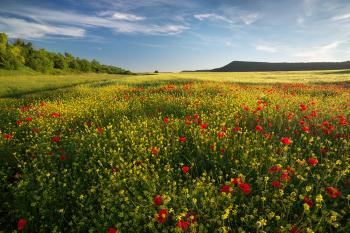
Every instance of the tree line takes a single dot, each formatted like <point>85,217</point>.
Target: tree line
<point>20,53</point>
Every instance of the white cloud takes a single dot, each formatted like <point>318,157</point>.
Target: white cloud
<point>45,21</point>
<point>341,17</point>
<point>266,48</point>
<point>129,5</point>
<point>24,29</point>
<point>233,16</point>
<point>210,16</point>
<point>250,18</point>
<point>168,29</point>
<point>324,52</point>
<point>127,17</point>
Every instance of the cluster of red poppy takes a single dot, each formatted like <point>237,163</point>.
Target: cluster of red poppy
<point>333,192</point>
<point>243,187</point>
<point>162,215</point>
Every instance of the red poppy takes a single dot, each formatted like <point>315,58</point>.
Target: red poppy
<point>295,229</point>
<point>286,141</point>
<point>308,201</point>
<point>155,151</point>
<point>325,123</point>
<point>226,189</point>
<point>259,128</point>
<point>276,184</point>
<point>8,136</point>
<point>196,116</point>
<point>303,107</point>
<point>285,176</point>
<point>21,224</point>
<point>290,169</point>
<point>204,126</point>
<point>333,192</point>
<point>312,161</point>
<point>55,115</point>
<point>157,200</point>
<point>185,169</point>
<point>62,157</point>
<point>29,119</point>
<point>19,122</point>
<point>306,129</point>
<point>290,115</point>
<point>182,139</point>
<point>182,224</point>
<point>100,130</point>
<point>274,169</point>
<point>55,139</point>
<point>236,129</point>
<point>343,121</point>
<point>166,120</point>
<point>112,230</point>
<point>238,180</point>
<point>245,108</point>
<point>245,188</point>
<point>162,215</point>
<point>220,134</point>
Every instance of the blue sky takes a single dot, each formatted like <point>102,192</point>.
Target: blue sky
<point>175,35</point>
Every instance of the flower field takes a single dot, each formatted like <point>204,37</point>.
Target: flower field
<point>177,155</point>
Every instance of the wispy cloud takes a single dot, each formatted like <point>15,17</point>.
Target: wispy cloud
<point>266,48</point>
<point>250,18</point>
<point>131,5</point>
<point>325,52</point>
<point>341,17</point>
<point>42,22</point>
<point>232,16</point>
<point>121,16</point>
<point>211,16</point>
<point>128,17</point>
<point>32,30</point>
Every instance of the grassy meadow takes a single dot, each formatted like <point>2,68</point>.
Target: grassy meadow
<point>175,152</point>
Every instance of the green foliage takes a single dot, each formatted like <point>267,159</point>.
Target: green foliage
<point>3,41</point>
<point>59,61</point>
<point>40,60</point>
<point>84,65</point>
<point>11,57</point>
<point>21,53</point>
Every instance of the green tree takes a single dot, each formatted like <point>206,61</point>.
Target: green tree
<point>3,45</point>
<point>95,66</point>
<point>84,65</point>
<point>10,55</point>
<point>59,61</point>
<point>40,61</point>
<point>20,52</point>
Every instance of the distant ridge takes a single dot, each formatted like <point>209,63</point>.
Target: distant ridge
<point>246,66</point>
